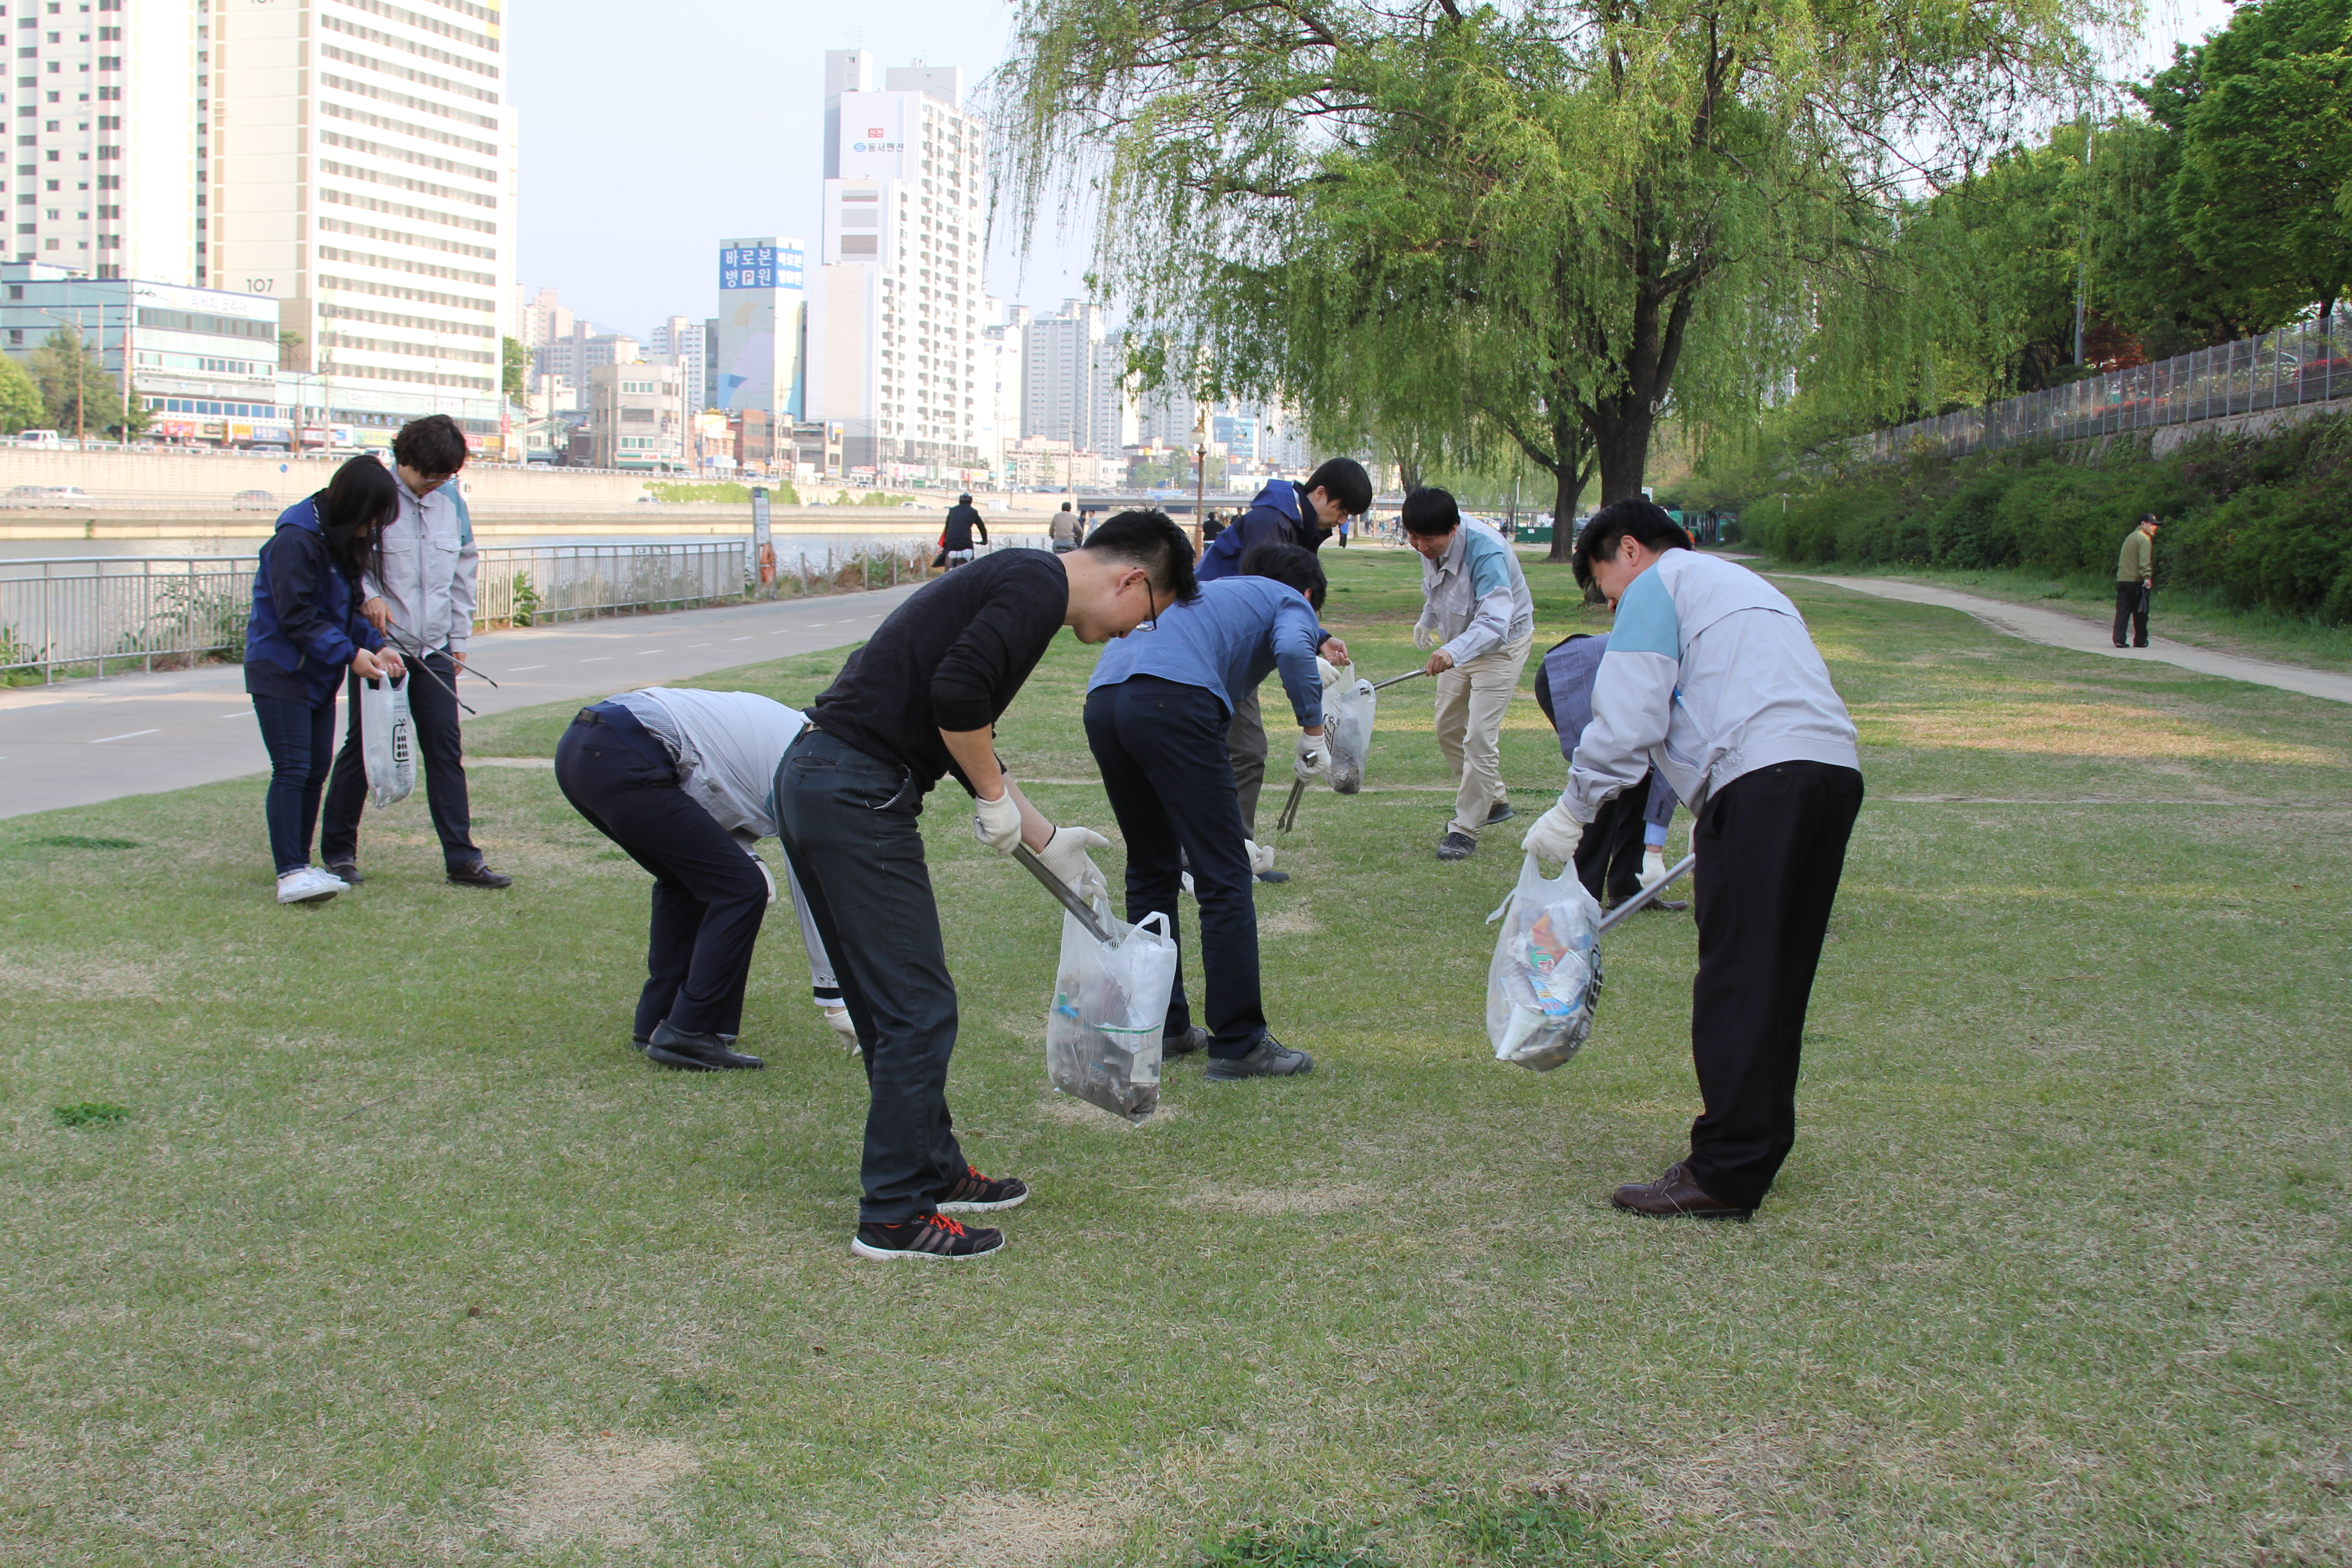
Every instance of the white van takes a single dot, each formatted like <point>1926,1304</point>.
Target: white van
<point>38,439</point>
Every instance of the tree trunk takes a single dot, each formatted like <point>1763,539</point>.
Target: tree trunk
<point>1570,475</point>
<point>1621,444</point>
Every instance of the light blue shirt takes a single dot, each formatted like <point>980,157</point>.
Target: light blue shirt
<point>1228,640</point>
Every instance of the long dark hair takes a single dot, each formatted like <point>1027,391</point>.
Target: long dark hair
<point>354,508</point>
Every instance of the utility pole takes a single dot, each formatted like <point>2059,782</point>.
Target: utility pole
<point>1200,472</point>
<point>2082,262</point>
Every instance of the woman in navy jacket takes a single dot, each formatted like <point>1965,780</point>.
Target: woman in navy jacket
<point>306,631</point>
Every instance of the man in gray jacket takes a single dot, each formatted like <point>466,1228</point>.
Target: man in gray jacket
<point>422,602</point>
<point>1712,679</point>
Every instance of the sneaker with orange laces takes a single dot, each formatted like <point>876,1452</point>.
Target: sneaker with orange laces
<point>976,1193</point>
<point>932,1235</point>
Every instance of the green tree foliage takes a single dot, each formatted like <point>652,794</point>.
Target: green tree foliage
<point>1538,226</point>
<point>76,390</point>
<point>20,398</point>
<point>514,365</point>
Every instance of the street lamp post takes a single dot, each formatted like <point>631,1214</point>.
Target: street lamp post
<point>80,424</point>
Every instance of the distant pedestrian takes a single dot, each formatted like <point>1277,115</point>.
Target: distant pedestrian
<point>2136,581</point>
<point>1066,528</point>
<point>306,630</point>
<point>963,522</point>
<point>421,596</point>
<point>1211,526</point>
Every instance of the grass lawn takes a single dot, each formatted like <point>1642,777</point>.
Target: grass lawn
<point>401,1255</point>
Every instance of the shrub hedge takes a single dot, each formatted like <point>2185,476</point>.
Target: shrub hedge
<point>2264,522</point>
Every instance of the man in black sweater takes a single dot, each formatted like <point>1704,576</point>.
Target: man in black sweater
<point>963,519</point>
<point>916,703</point>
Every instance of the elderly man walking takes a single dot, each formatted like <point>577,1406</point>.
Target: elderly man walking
<point>2136,581</point>
<point>1479,616</point>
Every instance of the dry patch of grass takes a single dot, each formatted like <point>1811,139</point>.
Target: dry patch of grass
<point>61,975</point>
<point>2074,730</point>
<point>609,1491</point>
<point>1009,1530</point>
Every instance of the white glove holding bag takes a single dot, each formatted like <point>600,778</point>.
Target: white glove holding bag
<point>1261,857</point>
<point>1326,669</point>
<point>997,822</point>
<point>1314,758</point>
<point>1554,836</point>
<point>1653,867</point>
<point>1065,854</point>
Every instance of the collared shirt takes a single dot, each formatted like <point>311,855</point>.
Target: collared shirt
<point>429,568</point>
<point>1227,640</point>
<point>727,746</point>
<point>1475,597</point>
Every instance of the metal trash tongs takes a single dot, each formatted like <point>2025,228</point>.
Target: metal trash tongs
<point>1650,892</point>
<point>1061,891</point>
<point>1289,817</point>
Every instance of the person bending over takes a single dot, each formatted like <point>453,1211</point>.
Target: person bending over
<point>1711,678</point>
<point>680,779</point>
<point>1158,707</point>
<point>918,702</point>
<point>1475,602</point>
<point>1623,850</point>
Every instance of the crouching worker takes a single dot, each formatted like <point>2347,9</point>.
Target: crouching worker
<point>306,630</point>
<point>1711,678</point>
<point>1624,849</point>
<point>680,779</point>
<point>918,702</point>
<point>1158,706</point>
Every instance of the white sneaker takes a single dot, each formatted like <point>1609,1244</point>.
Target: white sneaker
<point>839,1018</point>
<point>309,886</point>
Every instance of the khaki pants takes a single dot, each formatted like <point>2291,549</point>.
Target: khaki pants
<point>1471,701</point>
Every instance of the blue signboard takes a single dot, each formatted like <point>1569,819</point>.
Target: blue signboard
<point>760,266</point>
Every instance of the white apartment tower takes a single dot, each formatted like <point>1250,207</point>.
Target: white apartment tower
<point>362,173</point>
<point>897,307</point>
<point>1074,382</point>
<point>678,340</point>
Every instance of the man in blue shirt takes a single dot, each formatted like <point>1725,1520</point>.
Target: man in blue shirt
<point>1287,512</point>
<point>1158,706</point>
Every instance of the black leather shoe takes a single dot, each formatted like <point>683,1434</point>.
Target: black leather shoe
<point>477,874</point>
<point>1502,813</point>
<point>346,870</point>
<point>638,1043</point>
<point>1273,876</point>
<point>1674,1196</point>
<point>695,1053</point>
<point>1195,1038</point>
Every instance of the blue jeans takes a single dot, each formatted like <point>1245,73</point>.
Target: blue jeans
<point>302,743</point>
<point>852,830</point>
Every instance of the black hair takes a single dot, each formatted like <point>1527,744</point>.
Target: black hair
<point>1066,506</point>
<point>1430,510</point>
<point>1345,481</point>
<point>433,444</point>
<point>964,499</point>
<point>1645,523</point>
<point>1153,541</point>
<point>1292,565</point>
<point>359,502</point>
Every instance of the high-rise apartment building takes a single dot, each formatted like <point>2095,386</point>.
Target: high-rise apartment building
<point>1074,377</point>
<point>758,363</point>
<point>1168,415</point>
<point>540,318</point>
<point>1001,349</point>
<point>895,318</point>
<point>362,173</point>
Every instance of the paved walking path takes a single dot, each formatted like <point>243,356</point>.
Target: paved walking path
<point>78,742</point>
<point>2073,632</point>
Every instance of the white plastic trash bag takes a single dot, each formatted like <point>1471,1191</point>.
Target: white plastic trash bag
<point>1110,1003</point>
<point>1347,708</point>
<point>387,740</point>
<point>1545,980</point>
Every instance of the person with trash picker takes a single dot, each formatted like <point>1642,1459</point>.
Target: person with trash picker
<point>917,702</point>
<point>1287,512</point>
<point>1624,850</point>
<point>305,632</point>
<point>421,596</point>
<point>955,539</point>
<point>1480,620</point>
<point>1158,707</point>
<point>681,781</point>
<point>1712,679</point>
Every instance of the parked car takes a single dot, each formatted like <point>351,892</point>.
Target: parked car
<point>253,500</point>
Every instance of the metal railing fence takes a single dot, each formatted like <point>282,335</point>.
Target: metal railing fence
<point>100,615</point>
<point>2310,361</point>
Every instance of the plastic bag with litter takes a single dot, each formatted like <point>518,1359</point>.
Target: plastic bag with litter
<point>386,740</point>
<point>1110,1005</point>
<point>1348,704</point>
<point>1545,979</point>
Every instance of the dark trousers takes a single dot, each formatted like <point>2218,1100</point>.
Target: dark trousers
<point>708,896</point>
<point>853,829</point>
<point>1609,856</point>
<point>1770,846</point>
<point>1245,754</point>
<point>433,705</point>
<point>1171,787</point>
<point>300,739</point>
<point>2131,611</point>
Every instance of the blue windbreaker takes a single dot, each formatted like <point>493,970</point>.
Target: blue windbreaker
<point>306,620</point>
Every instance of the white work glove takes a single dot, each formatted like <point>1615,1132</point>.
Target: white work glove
<point>1424,636</point>
<point>1326,669</point>
<point>1261,857</point>
<point>766,875</point>
<point>997,822</point>
<point>1065,854</point>
<point>1554,836</point>
<point>1314,758</point>
<point>1653,867</point>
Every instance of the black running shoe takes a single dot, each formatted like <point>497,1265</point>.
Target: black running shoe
<point>1195,1038</point>
<point>933,1236</point>
<point>1268,1058</point>
<point>976,1193</point>
<point>1456,846</point>
<point>351,873</point>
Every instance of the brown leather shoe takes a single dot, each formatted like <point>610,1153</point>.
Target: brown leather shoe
<point>1673,1194</point>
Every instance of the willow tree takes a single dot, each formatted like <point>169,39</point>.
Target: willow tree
<point>1536,224</point>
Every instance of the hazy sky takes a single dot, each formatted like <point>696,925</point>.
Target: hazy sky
<point>649,133</point>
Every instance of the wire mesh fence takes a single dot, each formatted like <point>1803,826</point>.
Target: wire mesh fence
<point>2310,361</point>
<point>101,616</point>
